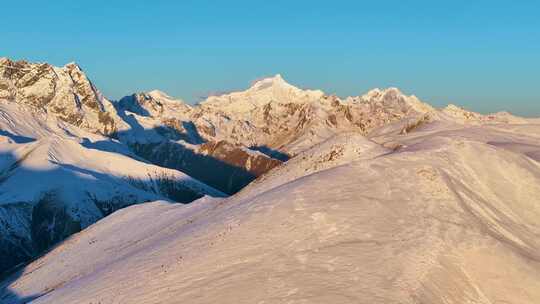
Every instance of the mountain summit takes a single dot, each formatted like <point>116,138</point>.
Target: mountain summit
<point>273,89</point>
<point>155,104</point>
<point>64,92</point>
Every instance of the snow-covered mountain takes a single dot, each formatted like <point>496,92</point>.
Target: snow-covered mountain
<point>272,117</point>
<point>242,134</point>
<point>56,179</point>
<point>277,115</point>
<point>448,215</point>
<point>162,131</point>
<point>155,104</point>
<point>64,92</point>
<point>425,198</point>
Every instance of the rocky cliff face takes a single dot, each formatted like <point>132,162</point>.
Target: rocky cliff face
<point>64,92</point>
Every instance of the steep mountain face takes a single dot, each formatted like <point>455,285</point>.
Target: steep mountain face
<point>63,92</point>
<point>275,114</point>
<point>222,165</point>
<point>271,117</point>
<point>155,104</point>
<point>448,217</point>
<point>162,132</point>
<point>56,179</point>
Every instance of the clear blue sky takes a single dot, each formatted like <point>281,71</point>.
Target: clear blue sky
<point>484,55</point>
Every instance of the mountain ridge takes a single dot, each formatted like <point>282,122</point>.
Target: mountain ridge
<point>271,116</point>
<point>308,180</point>
<point>214,148</point>
<point>427,223</point>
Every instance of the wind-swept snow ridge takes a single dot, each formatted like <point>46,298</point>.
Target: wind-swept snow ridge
<point>447,216</point>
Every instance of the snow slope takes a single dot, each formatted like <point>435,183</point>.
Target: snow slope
<point>56,179</point>
<point>447,216</point>
<point>338,150</point>
<point>388,199</point>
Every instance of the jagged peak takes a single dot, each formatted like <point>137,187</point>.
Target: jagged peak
<point>6,62</point>
<point>73,65</point>
<point>158,94</point>
<point>377,92</point>
<point>163,97</point>
<point>374,92</point>
<point>9,61</point>
<point>277,82</point>
<point>268,82</point>
<point>154,103</point>
<point>393,90</point>
<point>28,66</point>
<point>275,78</point>
<point>75,70</point>
<point>390,96</point>
<point>262,91</point>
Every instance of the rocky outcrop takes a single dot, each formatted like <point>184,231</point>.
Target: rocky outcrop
<point>65,93</point>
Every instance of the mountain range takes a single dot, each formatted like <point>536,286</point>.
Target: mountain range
<point>293,196</point>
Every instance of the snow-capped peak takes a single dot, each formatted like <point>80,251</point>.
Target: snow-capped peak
<point>64,92</point>
<point>373,93</point>
<point>391,92</point>
<point>272,83</point>
<point>162,96</point>
<point>276,79</point>
<point>154,103</point>
<point>266,90</point>
<point>73,65</point>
